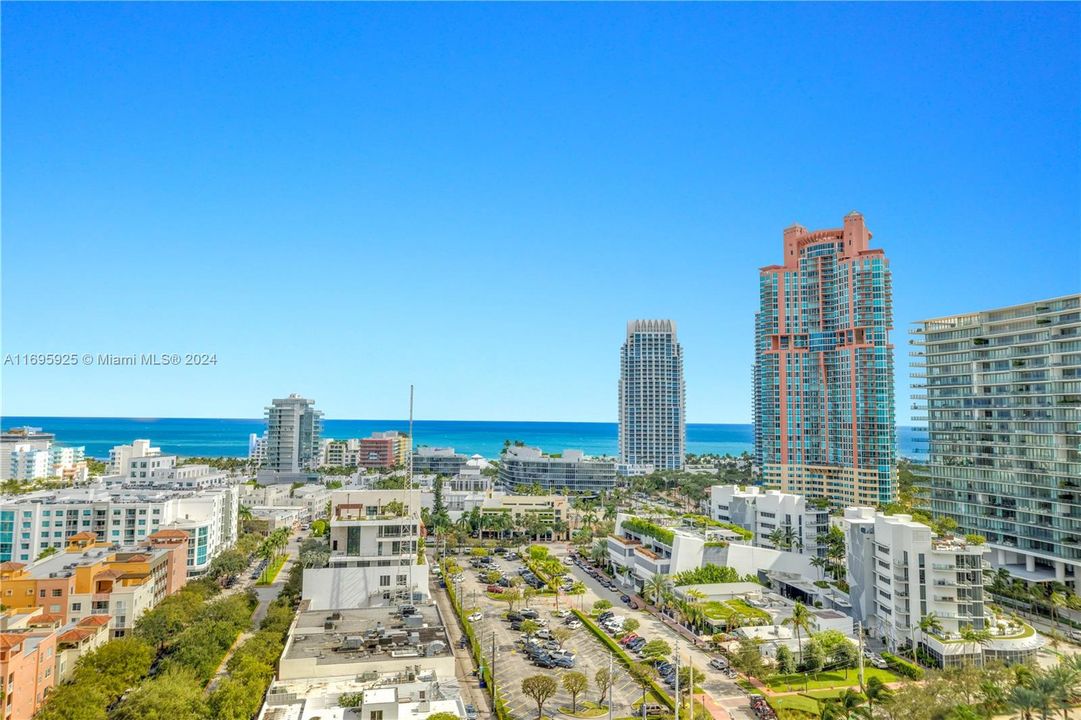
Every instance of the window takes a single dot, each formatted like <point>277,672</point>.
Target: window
<point>76,607</point>
<point>384,581</point>
<point>57,592</point>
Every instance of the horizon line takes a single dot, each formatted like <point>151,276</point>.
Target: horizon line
<point>4,417</point>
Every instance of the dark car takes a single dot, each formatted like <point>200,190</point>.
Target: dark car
<point>503,582</point>
<point>530,614</point>
<point>605,615</point>
<point>636,644</point>
<point>544,661</point>
<point>625,598</point>
<point>515,616</point>
<point>563,661</point>
<point>516,625</point>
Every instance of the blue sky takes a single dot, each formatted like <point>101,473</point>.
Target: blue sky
<point>342,199</point>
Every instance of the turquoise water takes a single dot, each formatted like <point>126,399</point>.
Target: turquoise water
<point>229,437</point>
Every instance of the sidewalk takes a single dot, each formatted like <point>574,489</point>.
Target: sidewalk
<point>463,658</point>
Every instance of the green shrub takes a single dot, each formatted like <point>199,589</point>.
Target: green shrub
<point>902,667</point>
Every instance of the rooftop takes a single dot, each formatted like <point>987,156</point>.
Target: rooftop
<point>367,635</point>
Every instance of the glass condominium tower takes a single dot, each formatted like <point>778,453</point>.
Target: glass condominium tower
<point>823,372</point>
<point>652,415</point>
<point>1002,392</point>
<point>293,430</point>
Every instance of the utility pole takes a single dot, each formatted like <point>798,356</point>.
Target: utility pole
<point>677,682</point>
<point>859,637</point>
<point>409,497</point>
<point>690,676</point>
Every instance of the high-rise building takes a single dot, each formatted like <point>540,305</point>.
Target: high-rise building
<point>293,429</point>
<point>652,398</point>
<point>823,373</point>
<point>1002,391</point>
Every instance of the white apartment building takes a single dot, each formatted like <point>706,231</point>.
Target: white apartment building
<point>257,449</point>
<point>25,462</point>
<point>374,558</point>
<point>571,471</point>
<point>900,571</point>
<point>438,461</point>
<point>22,437</point>
<point>163,472</point>
<point>36,457</point>
<point>32,522</point>
<point>771,513</point>
<point>652,397</point>
<point>341,453</point>
<point>121,455</point>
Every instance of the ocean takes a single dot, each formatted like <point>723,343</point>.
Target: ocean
<point>205,437</point>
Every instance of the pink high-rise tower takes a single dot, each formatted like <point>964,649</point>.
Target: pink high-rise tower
<point>823,374</point>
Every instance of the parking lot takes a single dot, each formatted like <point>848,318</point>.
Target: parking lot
<point>512,664</point>
<point>724,690</point>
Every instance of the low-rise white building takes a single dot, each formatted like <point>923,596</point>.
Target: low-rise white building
<point>571,471</point>
<point>781,521</point>
<point>901,571</point>
<point>374,559</point>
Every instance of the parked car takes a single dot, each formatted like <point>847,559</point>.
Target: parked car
<point>653,709</point>
<point>512,616</point>
<point>562,613</point>
<point>629,637</point>
<point>495,589</point>
<point>574,624</point>
<point>530,614</point>
<point>476,616</point>
<point>625,598</point>
<point>718,663</point>
<point>471,712</point>
<point>563,661</point>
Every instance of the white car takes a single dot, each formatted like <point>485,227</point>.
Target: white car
<point>562,613</point>
<point>476,616</point>
<point>574,624</point>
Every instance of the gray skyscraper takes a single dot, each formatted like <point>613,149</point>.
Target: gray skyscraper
<point>293,429</point>
<point>1002,390</point>
<point>652,416</point>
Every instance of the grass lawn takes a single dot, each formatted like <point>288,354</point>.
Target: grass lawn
<point>826,680</point>
<point>795,702</point>
<point>586,709</point>
<point>272,571</point>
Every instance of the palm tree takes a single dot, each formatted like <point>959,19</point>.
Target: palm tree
<point>799,620</point>
<point>972,636</point>
<point>1025,701</point>
<point>654,588</point>
<point>929,623</point>
<point>852,704</point>
<point>1060,682</point>
<point>876,691</point>
<point>820,563</point>
<point>1056,600</point>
